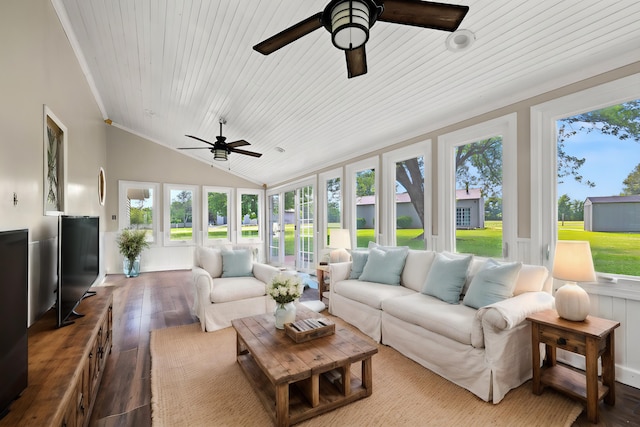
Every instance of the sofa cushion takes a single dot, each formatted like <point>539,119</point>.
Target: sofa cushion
<point>452,321</point>
<point>446,278</point>
<point>494,282</point>
<point>359,259</point>
<point>416,267</point>
<point>210,259</point>
<point>236,263</point>
<point>236,288</point>
<point>384,266</point>
<point>369,293</point>
<point>531,279</point>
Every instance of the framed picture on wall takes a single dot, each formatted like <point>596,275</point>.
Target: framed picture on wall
<point>55,164</point>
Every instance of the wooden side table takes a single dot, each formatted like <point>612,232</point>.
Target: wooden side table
<point>592,338</point>
<point>322,273</point>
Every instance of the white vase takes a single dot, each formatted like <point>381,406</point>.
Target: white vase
<point>285,313</point>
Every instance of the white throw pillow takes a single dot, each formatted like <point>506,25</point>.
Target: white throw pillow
<point>210,259</point>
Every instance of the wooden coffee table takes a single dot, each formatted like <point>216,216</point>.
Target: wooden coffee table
<point>305,379</point>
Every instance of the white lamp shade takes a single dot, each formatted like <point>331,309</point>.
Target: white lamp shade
<point>573,262</point>
<point>339,238</point>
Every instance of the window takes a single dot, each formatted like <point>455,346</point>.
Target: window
<point>545,170</point>
<point>478,209</point>
<point>463,217</point>
<point>597,202</point>
<point>138,207</point>
<point>330,203</point>
<point>276,234</point>
<point>179,214</point>
<point>249,215</point>
<point>550,181</point>
<point>407,203</point>
<point>216,214</point>
<point>363,214</point>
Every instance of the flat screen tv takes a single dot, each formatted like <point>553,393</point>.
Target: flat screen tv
<point>78,263</point>
<point>14,283</point>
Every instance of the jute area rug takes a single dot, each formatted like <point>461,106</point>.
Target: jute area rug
<point>195,381</point>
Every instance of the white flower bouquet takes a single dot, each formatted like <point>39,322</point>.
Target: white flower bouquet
<point>285,288</point>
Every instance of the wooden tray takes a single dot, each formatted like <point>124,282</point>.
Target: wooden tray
<point>308,329</point>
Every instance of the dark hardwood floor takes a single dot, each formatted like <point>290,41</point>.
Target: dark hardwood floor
<point>161,300</point>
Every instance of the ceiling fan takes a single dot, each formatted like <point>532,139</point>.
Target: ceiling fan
<point>349,21</point>
<point>220,148</point>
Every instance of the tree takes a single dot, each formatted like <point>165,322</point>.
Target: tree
<point>366,183</point>
<point>410,174</point>
<point>480,164</point>
<point>181,207</point>
<point>632,182</point>
<point>621,121</point>
<point>217,203</point>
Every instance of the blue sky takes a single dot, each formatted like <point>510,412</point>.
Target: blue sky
<point>608,162</point>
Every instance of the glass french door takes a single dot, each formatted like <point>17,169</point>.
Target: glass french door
<point>291,240</point>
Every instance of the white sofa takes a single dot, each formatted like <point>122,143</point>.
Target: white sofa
<point>485,350</point>
<point>223,292</point>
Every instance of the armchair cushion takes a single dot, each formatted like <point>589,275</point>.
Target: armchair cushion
<point>236,288</point>
<point>237,263</point>
<point>210,259</point>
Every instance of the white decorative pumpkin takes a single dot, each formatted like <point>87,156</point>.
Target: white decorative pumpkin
<point>572,302</point>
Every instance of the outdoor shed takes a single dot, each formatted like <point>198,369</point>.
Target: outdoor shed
<point>469,209</point>
<point>613,213</point>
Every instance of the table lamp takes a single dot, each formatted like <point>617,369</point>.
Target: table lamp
<point>573,263</point>
<point>339,241</point>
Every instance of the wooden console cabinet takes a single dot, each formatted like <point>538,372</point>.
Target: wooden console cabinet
<point>65,366</point>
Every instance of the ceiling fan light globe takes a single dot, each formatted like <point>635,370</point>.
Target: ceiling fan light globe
<point>349,24</point>
<point>220,155</point>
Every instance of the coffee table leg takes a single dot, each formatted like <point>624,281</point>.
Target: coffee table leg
<point>367,375</point>
<point>282,405</point>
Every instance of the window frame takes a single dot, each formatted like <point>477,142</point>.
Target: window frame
<point>195,220</point>
<point>123,187</point>
<point>389,160</point>
<point>544,193</point>
<point>205,214</point>
<point>505,126</point>
<point>323,204</point>
<point>260,215</point>
<point>349,208</point>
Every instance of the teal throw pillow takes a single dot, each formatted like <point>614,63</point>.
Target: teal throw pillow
<point>446,278</point>
<point>358,261</point>
<point>494,282</point>
<point>237,263</point>
<point>384,266</point>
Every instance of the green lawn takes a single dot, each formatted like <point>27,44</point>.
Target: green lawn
<point>617,253</point>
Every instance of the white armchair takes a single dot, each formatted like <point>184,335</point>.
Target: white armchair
<point>229,284</point>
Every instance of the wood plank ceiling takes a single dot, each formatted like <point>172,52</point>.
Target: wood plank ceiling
<point>166,68</point>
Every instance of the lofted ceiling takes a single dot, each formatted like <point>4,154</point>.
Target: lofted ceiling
<point>165,68</point>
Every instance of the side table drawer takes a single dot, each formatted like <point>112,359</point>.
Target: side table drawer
<point>570,341</point>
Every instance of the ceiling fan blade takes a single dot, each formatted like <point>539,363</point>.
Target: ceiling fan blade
<point>248,153</point>
<point>289,35</point>
<point>238,143</point>
<point>356,61</point>
<point>200,139</point>
<point>439,16</point>
<point>194,148</point>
